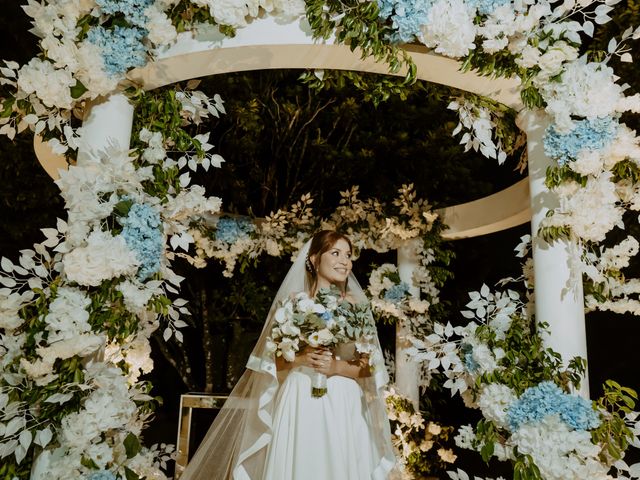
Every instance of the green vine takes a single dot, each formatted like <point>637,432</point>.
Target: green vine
<point>358,25</point>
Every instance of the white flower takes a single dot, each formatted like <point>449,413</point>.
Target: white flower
<point>450,28</point>
<point>559,452</point>
<point>585,90</point>
<point>465,437</point>
<point>226,12</point>
<point>103,257</point>
<point>321,337</point>
<point>91,71</point>
<point>288,328</point>
<point>289,347</point>
<point>495,400</point>
<point>593,210</point>
<point>64,53</point>
<point>434,428</point>
<point>67,316</point>
<point>289,8</point>
<point>51,85</point>
<point>161,30</point>
<point>529,57</point>
<point>10,305</point>
<point>100,453</point>
<point>551,61</point>
<point>589,162</point>
<point>137,295</point>
<point>41,370</point>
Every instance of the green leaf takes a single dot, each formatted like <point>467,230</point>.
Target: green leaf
<point>132,446</point>
<point>130,474</point>
<point>78,89</point>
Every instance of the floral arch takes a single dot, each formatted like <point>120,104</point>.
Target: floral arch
<point>130,211</point>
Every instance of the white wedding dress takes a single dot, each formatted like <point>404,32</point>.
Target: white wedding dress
<point>324,438</point>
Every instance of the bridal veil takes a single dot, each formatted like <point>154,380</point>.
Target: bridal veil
<point>235,445</point>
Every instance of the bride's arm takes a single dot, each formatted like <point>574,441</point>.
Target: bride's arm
<point>356,368</point>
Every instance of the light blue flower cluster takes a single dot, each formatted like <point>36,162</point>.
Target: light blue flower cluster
<point>133,10</point>
<point>587,135</point>
<point>407,16</point>
<point>546,399</point>
<point>143,234</point>
<point>102,475</point>
<point>397,293</point>
<point>486,7</point>
<point>229,230</point>
<point>121,48</point>
<point>326,316</point>
<point>469,362</point>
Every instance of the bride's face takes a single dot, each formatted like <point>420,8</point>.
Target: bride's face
<point>335,264</point>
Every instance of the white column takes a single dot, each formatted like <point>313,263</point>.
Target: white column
<point>407,371</point>
<point>107,124</point>
<point>558,301</point>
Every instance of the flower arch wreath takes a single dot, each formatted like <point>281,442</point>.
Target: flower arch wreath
<point>103,276</point>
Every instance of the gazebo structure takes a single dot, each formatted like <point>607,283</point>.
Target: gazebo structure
<point>267,43</point>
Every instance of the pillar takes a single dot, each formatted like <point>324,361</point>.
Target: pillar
<point>107,124</point>
<point>558,301</point>
<point>407,370</point>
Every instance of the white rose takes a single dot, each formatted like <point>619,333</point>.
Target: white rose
<point>321,337</point>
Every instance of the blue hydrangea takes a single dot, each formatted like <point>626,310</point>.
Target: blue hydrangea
<point>469,362</point>
<point>133,10</point>
<point>122,48</point>
<point>397,293</point>
<point>486,7</point>
<point>102,475</point>
<point>229,230</point>
<point>407,16</point>
<point>326,315</point>
<point>589,134</point>
<point>546,399</point>
<point>143,234</point>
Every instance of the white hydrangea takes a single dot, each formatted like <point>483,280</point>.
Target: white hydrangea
<point>593,211</point>
<point>495,400</point>
<point>161,30</point>
<point>91,71</point>
<point>68,315</point>
<point>41,370</point>
<point>587,89</point>
<point>589,162</point>
<point>450,28</point>
<point>559,452</point>
<point>103,257</point>
<point>50,84</point>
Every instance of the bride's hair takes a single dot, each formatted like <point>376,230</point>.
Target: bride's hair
<point>320,243</point>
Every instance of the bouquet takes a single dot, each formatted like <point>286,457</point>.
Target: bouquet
<point>323,321</point>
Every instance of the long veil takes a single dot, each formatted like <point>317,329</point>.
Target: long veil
<point>235,445</point>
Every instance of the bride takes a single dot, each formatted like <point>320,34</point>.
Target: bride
<point>272,428</point>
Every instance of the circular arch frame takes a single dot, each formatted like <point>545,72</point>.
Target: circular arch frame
<point>268,43</point>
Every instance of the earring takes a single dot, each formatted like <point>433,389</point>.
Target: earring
<point>308,265</point>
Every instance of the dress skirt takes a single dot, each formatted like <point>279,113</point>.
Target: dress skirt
<point>324,438</point>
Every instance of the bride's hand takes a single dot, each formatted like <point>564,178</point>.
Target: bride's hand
<point>320,359</point>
